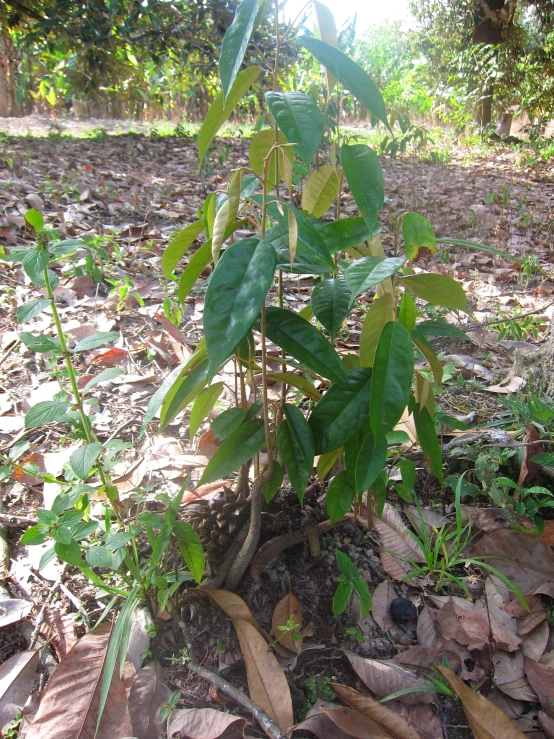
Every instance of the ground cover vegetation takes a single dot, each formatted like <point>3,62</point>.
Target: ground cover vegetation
<point>277,412</point>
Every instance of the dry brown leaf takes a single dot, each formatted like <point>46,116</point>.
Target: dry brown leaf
<point>288,609</point>
<point>148,692</point>
<point>421,716</point>
<point>13,610</point>
<point>382,597</point>
<point>541,678</point>
<point>383,716</point>
<point>330,721</point>
<point>419,658</point>
<point>534,644</point>
<point>511,707</point>
<point>547,724</point>
<point>428,635</point>
<point>69,706</point>
<point>486,720</point>
<point>529,469</point>
<point>267,683</point>
<point>59,630</point>
<point>234,606</point>
<point>493,611</point>
<point>398,545</point>
<point>322,725</point>
<point>205,723</point>
<point>509,675</point>
<point>386,677</point>
<point>524,559</point>
<point>515,383</point>
<point>462,625</point>
<point>17,677</point>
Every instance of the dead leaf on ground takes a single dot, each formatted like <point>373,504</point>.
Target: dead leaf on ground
<point>267,683</point>
<point>59,630</point>
<point>523,558</point>
<point>13,610</point>
<point>383,595</point>
<point>71,700</point>
<point>384,717</point>
<point>534,643</point>
<point>511,385</point>
<point>386,677</point>
<point>511,707</point>
<point>509,675</point>
<point>234,606</point>
<point>546,723</point>
<point>420,658</point>
<point>398,545</point>
<point>428,635</point>
<point>465,626</point>
<point>487,721</point>
<point>529,469</point>
<point>548,533</point>
<point>109,357</point>
<point>17,677</point>
<point>148,692</point>
<point>541,678</point>
<point>205,723</point>
<point>492,610</point>
<point>288,609</point>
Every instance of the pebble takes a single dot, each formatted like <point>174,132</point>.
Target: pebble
<point>402,610</point>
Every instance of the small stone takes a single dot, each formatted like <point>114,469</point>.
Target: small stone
<point>402,610</point>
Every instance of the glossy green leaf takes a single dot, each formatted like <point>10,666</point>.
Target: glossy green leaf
<point>379,314</point>
<point>235,42</point>
<point>41,344</point>
<point>227,422</point>
<point>273,485</point>
<point>260,146</point>
<point>299,118</point>
<point>343,234</point>
<point>481,247</point>
<point>427,350</point>
<point>83,459</point>
<point>427,437</point>
<point>183,392</point>
<point>294,460</point>
<point>45,412</point>
<point>35,262</point>
<point>296,381</point>
<point>96,340</point>
<point>99,557</point>
<point>234,192</point>
<point>349,74</point>
<point>342,412</point>
<point>237,449</point>
<point>429,329</point>
<point>436,289</point>
<point>236,293</point>
<point>35,219</point>
<point>408,472</point>
<point>326,462</point>
<point>407,312</point>
<point>308,234</point>
<point>220,110</point>
<point>208,211</point>
<point>178,246</point>
<point>327,33</point>
<point>305,343</point>
<point>364,460</point>
<point>340,496</point>
<point>330,301</point>
<point>203,405</point>
<point>369,271</point>
<point>190,548</point>
<point>301,431</point>
<point>417,234</point>
<point>320,191</point>
<point>28,311</point>
<point>161,393</point>
<point>393,371</point>
<point>342,596</point>
<point>365,178</point>
<point>70,553</point>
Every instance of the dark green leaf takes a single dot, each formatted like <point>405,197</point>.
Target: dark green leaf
<point>440,328</point>
<point>236,293</point>
<point>330,303</point>
<point>305,261</point>
<point>393,371</point>
<point>342,412</point>
<point>344,234</point>
<point>362,591</point>
<point>34,218</point>
<point>294,460</point>
<point>197,264</point>
<point>35,262</point>
<point>274,483</point>
<point>546,459</point>
<point>237,449</point>
<point>407,312</point>
<point>45,412</point>
<point>178,246</point>
<point>301,431</point>
<point>427,437</point>
<point>408,472</point>
<point>95,340</point>
<point>183,392</point>
<point>305,343</point>
<point>350,74</point>
<point>417,234</point>
<point>34,535</point>
<point>363,460</point>
<point>220,110</point>
<point>365,178</point>
<point>340,496</point>
<point>70,553</point>
<point>99,557</point>
<point>227,422</point>
<point>203,405</point>
<point>161,393</point>
<point>83,459</point>
<point>40,344</point>
<point>369,271</point>
<point>436,289</point>
<point>343,593</point>
<point>299,118</point>
<point>28,311</point>
<point>190,548</point>
<point>235,42</point>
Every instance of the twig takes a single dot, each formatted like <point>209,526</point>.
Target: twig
<point>8,518</point>
<point>268,725</point>
<point>76,603</point>
<point>508,320</point>
<point>49,599</point>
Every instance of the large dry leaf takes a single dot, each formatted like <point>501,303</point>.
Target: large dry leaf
<point>493,611</point>
<point>148,692</point>
<point>205,723</point>
<point>386,677</point>
<point>69,707</point>
<point>527,620</point>
<point>546,724</point>
<point>383,595</point>
<point>17,677</point>
<point>428,635</point>
<point>530,469</point>
<point>390,721</point>
<point>59,630</point>
<point>396,537</point>
<point>426,658</point>
<point>421,716</point>
<point>511,707</point>
<point>266,680</point>
<point>534,644</point>
<point>509,675</point>
<point>288,610</point>
<point>234,607</point>
<point>466,627</point>
<point>486,720</point>
<point>330,721</point>
<point>541,678</point>
<point>523,558</point>
<point>322,725</point>
<point>13,610</point>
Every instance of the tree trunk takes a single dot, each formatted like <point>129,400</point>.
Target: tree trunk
<point>539,366</point>
<point>486,106</point>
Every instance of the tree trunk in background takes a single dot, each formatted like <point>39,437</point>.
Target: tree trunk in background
<point>4,97</point>
<point>486,107</point>
<point>504,125</point>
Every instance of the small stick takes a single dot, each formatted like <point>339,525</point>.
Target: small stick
<point>268,725</point>
<point>8,518</point>
<point>49,599</point>
<point>76,603</point>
